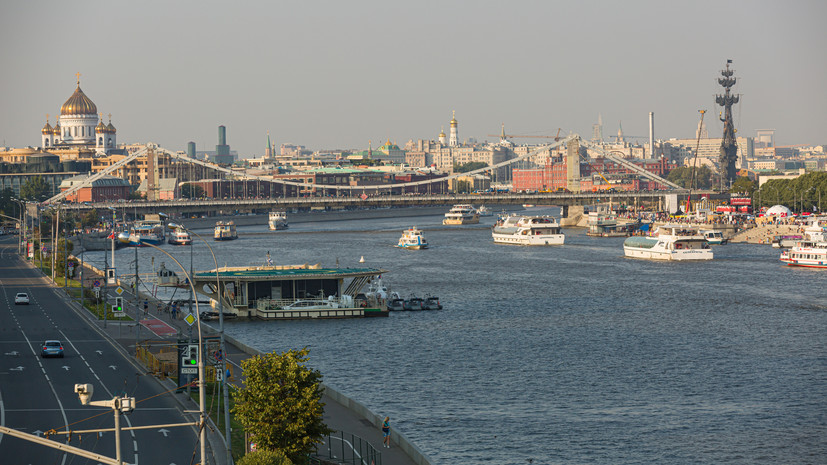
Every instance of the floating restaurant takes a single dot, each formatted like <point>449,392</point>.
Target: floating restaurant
<point>287,291</point>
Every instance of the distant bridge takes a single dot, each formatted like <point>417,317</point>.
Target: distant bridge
<point>137,209</point>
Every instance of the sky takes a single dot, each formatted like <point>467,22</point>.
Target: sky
<point>336,75</point>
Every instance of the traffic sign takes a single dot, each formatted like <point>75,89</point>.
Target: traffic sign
<point>218,375</point>
<point>119,290</point>
<point>97,292</point>
<point>189,370</point>
<point>97,283</point>
<point>189,319</point>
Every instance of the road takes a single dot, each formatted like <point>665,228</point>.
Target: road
<point>37,394</point>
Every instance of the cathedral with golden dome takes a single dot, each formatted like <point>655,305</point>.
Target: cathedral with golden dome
<point>78,127</point>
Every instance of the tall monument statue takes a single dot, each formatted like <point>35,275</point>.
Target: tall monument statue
<point>729,147</point>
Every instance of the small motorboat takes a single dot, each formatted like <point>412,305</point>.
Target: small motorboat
<point>396,305</point>
<point>414,303</point>
<point>432,303</point>
<point>413,239</point>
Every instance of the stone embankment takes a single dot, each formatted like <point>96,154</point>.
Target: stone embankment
<point>763,234</point>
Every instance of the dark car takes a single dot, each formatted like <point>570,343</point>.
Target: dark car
<point>51,349</point>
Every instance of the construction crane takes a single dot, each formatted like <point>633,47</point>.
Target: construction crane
<point>524,136</point>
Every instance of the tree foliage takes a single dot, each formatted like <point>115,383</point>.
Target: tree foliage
<point>470,166</point>
<point>8,206</point>
<point>265,457</point>
<point>35,189</point>
<point>682,176</point>
<point>743,184</point>
<point>462,187</point>
<point>280,403</point>
<point>803,193</point>
<point>192,191</point>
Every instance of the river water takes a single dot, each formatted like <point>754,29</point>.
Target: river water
<point>569,354</point>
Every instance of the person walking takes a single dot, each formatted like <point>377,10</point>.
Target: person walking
<point>386,432</point>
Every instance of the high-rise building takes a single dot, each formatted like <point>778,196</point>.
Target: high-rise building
<point>764,138</point>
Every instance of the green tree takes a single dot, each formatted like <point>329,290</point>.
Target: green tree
<point>470,166</point>
<point>280,403</point>
<point>682,176</point>
<point>265,457</point>
<point>743,184</point>
<point>90,219</point>
<point>462,187</point>
<point>192,191</point>
<point>61,254</point>
<point>35,189</point>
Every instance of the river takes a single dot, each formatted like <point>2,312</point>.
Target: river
<point>569,354</point>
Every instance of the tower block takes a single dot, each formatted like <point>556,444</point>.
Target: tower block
<point>573,165</point>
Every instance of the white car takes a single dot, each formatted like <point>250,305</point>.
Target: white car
<point>21,298</point>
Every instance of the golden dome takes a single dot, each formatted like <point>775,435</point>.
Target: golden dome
<point>454,119</point>
<point>110,128</point>
<point>47,129</point>
<point>100,128</point>
<point>56,129</point>
<point>78,104</point>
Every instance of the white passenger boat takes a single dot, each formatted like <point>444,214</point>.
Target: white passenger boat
<point>277,221</point>
<point>413,239</point>
<point>179,236</point>
<point>225,231</point>
<point>672,242</point>
<point>528,230</point>
<point>714,237</point>
<point>810,252</point>
<point>484,211</point>
<point>143,232</point>
<point>461,214</point>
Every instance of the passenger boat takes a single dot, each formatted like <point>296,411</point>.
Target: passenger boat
<point>413,239</point>
<point>806,253</point>
<point>225,231</point>
<point>461,214</point>
<point>484,211</point>
<point>672,242</point>
<point>143,232</point>
<point>810,252</point>
<point>528,230</point>
<point>714,237</point>
<point>179,236</point>
<point>786,241</point>
<point>606,224</point>
<point>277,221</point>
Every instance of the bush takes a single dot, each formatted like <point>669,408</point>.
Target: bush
<point>265,457</point>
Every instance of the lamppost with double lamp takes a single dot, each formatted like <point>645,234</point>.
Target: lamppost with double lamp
<point>223,347</point>
<point>201,390</point>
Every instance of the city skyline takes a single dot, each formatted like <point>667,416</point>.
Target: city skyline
<point>334,76</point>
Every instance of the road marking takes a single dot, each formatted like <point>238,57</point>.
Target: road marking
<point>163,431</point>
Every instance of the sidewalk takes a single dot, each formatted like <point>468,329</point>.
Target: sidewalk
<point>160,326</point>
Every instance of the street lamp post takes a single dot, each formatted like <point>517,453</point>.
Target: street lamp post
<point>201,390</point>
<point>225,387</point>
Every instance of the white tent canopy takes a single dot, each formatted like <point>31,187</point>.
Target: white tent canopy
<point>779,210</point>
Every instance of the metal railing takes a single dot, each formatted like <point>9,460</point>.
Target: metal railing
<point>347,449</point>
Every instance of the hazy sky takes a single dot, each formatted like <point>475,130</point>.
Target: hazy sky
<point>335,74</point>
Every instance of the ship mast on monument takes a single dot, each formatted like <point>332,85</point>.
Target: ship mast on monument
<point>729,147</point>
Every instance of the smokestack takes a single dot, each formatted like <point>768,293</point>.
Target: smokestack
<point>651,134</point>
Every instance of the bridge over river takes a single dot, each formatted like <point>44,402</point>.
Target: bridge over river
<point>215,207</point>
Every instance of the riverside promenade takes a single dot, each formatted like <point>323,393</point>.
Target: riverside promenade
<point>340,413</point>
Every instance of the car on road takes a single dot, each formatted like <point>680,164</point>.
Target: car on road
<point>21,299</point>
<point>52,348</point>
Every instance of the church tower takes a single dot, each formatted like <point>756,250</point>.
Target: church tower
<point>78,118</point>
<point>443,139</point>
<point>453,140</point>
<point>46,134</point>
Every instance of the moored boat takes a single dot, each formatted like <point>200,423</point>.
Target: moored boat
<point>482,210</point>
<point>461,214</point>
<point>672,242</point>
<point>143,232</point>
<point>528,230</point>
<point>714,237</point>
<point>786,241</point>
<point>225,231</point>
<point>277,221</point>
<point>810,252</point>
<point>413,239</point>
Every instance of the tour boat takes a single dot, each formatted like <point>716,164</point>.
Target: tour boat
<point>225,231</point>
<point>714,237</point>
<point>412,239</point>
<point>806,253</point>
<point>484,211</point>
<point>277,221</point>
<point>528,230</point>
<point>607,224</point>
<point>461,214</point>
<point>672,242</point>
<point>179,236</point>
<point>785,241</point>
<point>143,232</point>
<point>810,252</point>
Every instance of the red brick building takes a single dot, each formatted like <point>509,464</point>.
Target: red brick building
<point>554,175</point>
<point>107,188</point>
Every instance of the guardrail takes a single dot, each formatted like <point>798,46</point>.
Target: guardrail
<point>348,449</point>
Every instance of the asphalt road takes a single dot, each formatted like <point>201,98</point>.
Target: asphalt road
<point>37,394</point>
